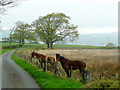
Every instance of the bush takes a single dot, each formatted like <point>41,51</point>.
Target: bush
<point>11,46</point>
<point>105,83</point>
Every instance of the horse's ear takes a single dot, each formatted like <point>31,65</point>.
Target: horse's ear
<point>58,54</point>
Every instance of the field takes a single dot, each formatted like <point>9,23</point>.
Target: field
<point>102,62</point>
<point>46,80</point>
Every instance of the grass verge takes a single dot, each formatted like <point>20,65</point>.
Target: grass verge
<point>46,80</point>
<point>4,50</point>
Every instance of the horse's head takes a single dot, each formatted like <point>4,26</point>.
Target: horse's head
<point>57,57</point>
<point>33,54</point>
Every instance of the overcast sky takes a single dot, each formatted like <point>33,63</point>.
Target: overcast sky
<point>91,16</point>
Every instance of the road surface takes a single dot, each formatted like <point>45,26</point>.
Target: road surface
<point>13,76</point>
<point>0,72</point>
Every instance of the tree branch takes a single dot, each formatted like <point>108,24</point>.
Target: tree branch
<point>5,3</point>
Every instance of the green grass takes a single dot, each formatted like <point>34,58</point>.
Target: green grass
<point>9,44</point>
<point>75,46</point>
<point>4,50</point>
<point>46,80</point>
<point>60,46</point>
<point>55,46</point>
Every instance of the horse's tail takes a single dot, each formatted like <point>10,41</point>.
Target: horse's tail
<point>54,59</point>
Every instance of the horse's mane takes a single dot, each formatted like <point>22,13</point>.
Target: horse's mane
<point>61,57</point>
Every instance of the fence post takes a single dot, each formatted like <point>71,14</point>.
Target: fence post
<point>71,70</point>
<point>45,66</point>
<point>57,71</point>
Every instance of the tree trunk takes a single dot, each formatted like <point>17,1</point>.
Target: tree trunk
<point>30,42</point>
<point>19,42</point>
<point>10,39</point>
<point>51,45</point>
<point>22,41</point>
<point>48,45</point>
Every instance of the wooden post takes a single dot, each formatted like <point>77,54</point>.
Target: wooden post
<point>71,70</point>
<point>40,63</point>
<point>57,71</point>
<point>45,66</point>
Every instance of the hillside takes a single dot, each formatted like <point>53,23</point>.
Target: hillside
<point>88,39</point>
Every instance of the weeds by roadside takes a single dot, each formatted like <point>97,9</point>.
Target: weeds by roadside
<point>46,80</point>
<point>102,63</point>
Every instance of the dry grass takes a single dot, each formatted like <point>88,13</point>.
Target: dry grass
<point>99,61</point>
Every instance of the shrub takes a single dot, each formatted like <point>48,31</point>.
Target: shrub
<point>11,46</point>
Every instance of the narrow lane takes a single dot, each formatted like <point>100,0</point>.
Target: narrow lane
<point>13,76</point>
<point>0,72</point>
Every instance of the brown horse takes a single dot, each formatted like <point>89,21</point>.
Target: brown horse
<point>43,59</point>
<point>69,65</point>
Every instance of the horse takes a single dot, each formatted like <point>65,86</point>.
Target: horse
<point>34,54</point>
<point>69,65</point>
<point>43,59</point>
<point>52,61</point>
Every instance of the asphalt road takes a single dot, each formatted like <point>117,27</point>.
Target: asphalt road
<point>0,72</point>
<point>13,76</point>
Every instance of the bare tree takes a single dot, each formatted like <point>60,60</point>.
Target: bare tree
<point>5,4</point>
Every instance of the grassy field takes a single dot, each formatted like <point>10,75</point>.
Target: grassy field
<point>102,62</point>
<point>4,50</point>
<point>4,45</point>
<point>46,80</point>
<point>55,46</point>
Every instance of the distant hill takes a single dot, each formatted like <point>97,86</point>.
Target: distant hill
<point>5,33</point>
<point>88,39</point>
<point>97,39</point>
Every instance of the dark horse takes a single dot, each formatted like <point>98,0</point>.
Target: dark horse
<point>43,58</point>
<point>69,65</point>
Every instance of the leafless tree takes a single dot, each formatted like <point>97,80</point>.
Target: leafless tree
<point>5,4</point>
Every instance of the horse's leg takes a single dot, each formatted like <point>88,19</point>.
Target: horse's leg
<point>31,58</point>
<point>52,65</point>
<point>39,60</point>
<point>67,72</point>
<point>36,63</point>
<point>82,74</point>
<point>44,66</point>
<point>30,61</point>
<point>39,63</point>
